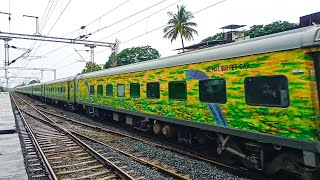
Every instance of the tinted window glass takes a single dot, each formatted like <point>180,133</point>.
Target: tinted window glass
<point>100,90</point>
<point>92,90</point>
<point>135,90</point>
<point>178,90</point>
<point>153,90</point>
<point>120,90</point>
<point>213,91</point>
<point>109,88</point>
<point>267,91</point>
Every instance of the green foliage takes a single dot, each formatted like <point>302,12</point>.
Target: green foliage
<point>90,67</point>
<point>218,36</point>
<point>180,24</point>
<point>132,55</point>
<point>274,27</point>
<point>259,30</point>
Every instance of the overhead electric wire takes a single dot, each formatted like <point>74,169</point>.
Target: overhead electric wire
<point>62,59</point>
<point>48,16</point>
<point>128,17</point>
<point>99,17</point>
<point>41,23</point>
<point>207,7</point>
<point>53,26</point>
<point>166,24</point>
<point>140,20</point>
<point>86,25</point>
<point>44,24</point>
<point>33,44</point>
<point>46,19</point>
<point>67,65</point>
<point>45,12</point>
<point>59,17</point>
<point>133,23</point>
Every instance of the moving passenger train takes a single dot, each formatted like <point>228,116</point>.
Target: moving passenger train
<point>256,99</point>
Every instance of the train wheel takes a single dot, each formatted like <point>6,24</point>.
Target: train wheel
<point>157,128</point>
<point>168,131</point>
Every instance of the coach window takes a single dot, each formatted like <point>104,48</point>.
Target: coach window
<point>213,91</point>
<point>120,90</point>
<point>178,90</point>
<point>153,90</point>
<point>92,90</point>
<point>135,90</point>
<point>267,91</point>
<point>109,91</point>
<point>100,90</point>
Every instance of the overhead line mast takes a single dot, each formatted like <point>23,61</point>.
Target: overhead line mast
<point>8,36</point>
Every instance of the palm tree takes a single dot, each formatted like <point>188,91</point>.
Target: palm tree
<point>180,24</point>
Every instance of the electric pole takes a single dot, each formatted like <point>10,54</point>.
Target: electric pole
<point>6,58</point>
<point>37,24</point>
<point>91,46</point>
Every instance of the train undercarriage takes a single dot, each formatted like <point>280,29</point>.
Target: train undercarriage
<point>270,159</point>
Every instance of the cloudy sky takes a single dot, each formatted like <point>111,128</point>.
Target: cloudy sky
<point>133,22</point>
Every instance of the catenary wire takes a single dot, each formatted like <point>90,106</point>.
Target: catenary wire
<point>33,44</point>
<point>59,17</point>
<point>99,17</point>
<point>128,17</point>
<point>86,25</point>
<point>140,20</point>
<point>135,22</point>
<point>53,25</point>
<point>164,25</point>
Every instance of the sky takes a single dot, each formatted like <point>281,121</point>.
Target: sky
<point>133,22</point>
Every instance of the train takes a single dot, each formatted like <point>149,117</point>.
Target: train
<point>256,99</point>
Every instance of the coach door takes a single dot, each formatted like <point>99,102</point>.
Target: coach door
<point>317,71</point>
<point>68,89</point>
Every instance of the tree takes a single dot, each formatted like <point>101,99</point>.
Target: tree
<point>274,27</point>
<point>259,30</point>
<point>180,24</point>
<point>90,67</point>
<point>218,36</point>
<point>34,81</point>
<point>132,55</point>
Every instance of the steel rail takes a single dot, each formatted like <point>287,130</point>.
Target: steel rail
<point>166,171</point>
<point>148,142</point>
<point>168,146</point>
<point>99,157</point>
<point>35,142</point>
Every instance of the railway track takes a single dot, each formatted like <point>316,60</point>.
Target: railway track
<point>35,165</point>
<point>64,155</point>
<point>113,140</point>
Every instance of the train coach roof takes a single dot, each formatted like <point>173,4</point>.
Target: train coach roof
<point>29,85</point>
<point>60,80</point>
<point>303,37</point>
